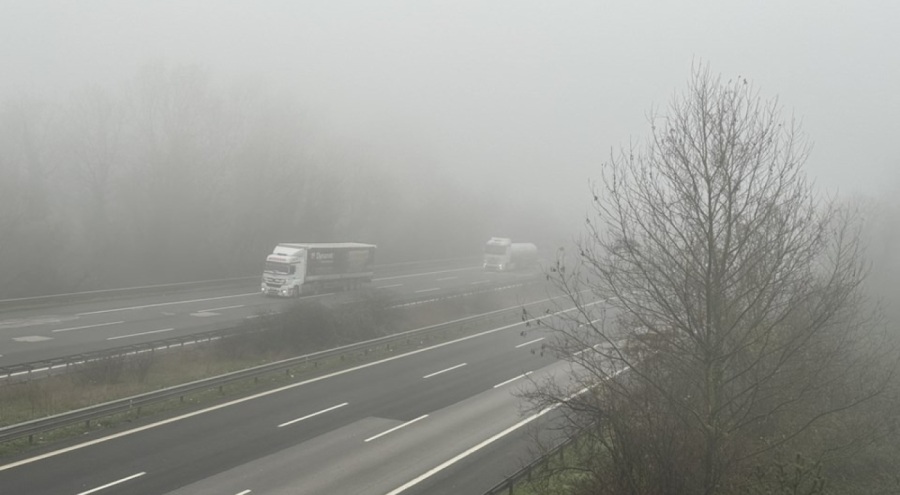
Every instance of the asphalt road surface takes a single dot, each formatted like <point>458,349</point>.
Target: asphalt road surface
<point>435,420</point>
<point>30,335</point>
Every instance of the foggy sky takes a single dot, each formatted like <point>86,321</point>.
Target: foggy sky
<point>510,97</point>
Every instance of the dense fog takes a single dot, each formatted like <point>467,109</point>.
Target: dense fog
<point>157,142</point>
<point>174,178</point>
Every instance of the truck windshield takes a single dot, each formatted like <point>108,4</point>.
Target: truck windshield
<point>279,268</point>
<point>494,249</point>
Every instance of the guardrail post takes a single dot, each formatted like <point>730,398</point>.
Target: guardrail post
<point>31,439</point>
<point>87,424</point>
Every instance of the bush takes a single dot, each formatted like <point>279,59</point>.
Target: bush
<point>308,326</point>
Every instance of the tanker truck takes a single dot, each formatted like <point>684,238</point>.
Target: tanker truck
<point>293,270</point>
<point>501,254</point>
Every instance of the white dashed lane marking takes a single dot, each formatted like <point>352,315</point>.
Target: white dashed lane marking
<point>445,370</point>
<point>88,326</point>
<point>114,483</point>
<point>323,411</point>
<point>396,428</point>
<point>32,338</point>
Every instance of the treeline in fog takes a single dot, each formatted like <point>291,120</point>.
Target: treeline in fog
<point>172,176</point>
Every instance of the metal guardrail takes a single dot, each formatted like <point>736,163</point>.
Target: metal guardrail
<point>65,363</point>
<point>86,415</point>
<point>508,485</point>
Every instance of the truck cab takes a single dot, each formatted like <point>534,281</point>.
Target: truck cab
<point>497,254</point>
<point>284,272</point>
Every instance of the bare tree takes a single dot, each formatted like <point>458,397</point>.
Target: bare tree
<point>92,140</point>
<point>29,224</point>
<point>732,322</point>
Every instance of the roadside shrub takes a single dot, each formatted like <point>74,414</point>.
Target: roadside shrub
<point>309,326</point>
<point>106,370</point>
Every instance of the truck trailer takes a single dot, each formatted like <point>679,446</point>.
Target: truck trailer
<point>298,269</point>
<point>501,254</point>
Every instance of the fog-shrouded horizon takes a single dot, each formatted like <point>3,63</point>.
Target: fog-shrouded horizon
<point>515,104</point>
<point>637,246</point>
<point>497,89</point>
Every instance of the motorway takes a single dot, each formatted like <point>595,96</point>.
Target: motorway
<point>29,335</point>
<point>446,419</point>
<point>399,425</point>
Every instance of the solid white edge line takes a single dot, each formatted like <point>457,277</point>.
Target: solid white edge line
<point>123,480</point>
<point>389,286</point>
<point>245,492</point>
<point>396,428</point>
<point>139,334</point>
<point>223,405</point>
<point>396,277</point>
<point>480,282</point>
<point>507,382</point>
<point>428,290</point>
<point>87,326</point>
<point>323,411</point>
<point>444,371</point>
<point>447,278</point>
<point>165,304</point>
<point>440,467</point>
<point>530,342</point>
<point>219,309</point>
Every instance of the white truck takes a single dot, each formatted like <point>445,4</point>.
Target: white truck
<point>293,270</point>
<point>501,254</point>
